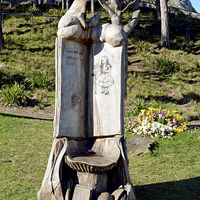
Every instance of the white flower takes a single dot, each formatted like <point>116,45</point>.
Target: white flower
<point>168,129</point>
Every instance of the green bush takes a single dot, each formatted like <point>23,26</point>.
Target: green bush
<point>14,95</point>
<point>33,11</point>
<point>167,66</point>
<point>144,46</point>
<point>41,80</point>
<point>196,63</point>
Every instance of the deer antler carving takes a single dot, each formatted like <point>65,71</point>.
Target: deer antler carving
<point>113,7</point>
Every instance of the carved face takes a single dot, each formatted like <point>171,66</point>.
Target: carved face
<point>104,60</point>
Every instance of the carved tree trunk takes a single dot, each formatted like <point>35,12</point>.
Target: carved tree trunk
<point>164,24</point>
<point>1,33</point>
<point>115,12</point>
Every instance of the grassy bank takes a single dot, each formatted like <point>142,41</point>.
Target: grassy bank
<point>156,77</point>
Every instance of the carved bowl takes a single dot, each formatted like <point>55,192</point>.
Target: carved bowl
<point>90,163</point>
<point>97,155</point>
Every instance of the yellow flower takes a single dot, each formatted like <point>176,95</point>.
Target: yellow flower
<point>169,113</point>
<point>151,108</point>
<point>184,124</point>
<point>148,113</point>
<point>175,111</point>
<point>142,113</point>
<point>139,122</point>
<point>178,117</point>
<point>179,129</point>
<point>158,110</point>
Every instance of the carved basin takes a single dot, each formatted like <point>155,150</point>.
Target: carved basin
<point>102,156</point>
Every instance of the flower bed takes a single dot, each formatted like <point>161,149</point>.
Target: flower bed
<point>156,123</point>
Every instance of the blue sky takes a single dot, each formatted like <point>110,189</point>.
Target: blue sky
<point>196,5</point>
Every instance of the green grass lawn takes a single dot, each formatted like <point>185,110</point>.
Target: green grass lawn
<point>25,147</point>
<point>170,171</point>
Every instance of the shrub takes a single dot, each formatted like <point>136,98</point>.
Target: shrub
<point>167,66</point>
<point>196,63</point>
<point>41,80</point>
<point>14,95</point>
<point>33,11</point>
<point>143,46</point>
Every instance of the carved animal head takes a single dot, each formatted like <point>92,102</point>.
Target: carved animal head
<point>78,6</point>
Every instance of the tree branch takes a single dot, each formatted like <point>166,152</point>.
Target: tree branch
<point>128,5</point>
<point>106,7</point>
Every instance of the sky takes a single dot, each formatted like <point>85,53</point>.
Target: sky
<point>196,5</point>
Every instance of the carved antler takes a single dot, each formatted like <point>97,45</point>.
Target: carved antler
<point>131,24</point>
<point>113,8</point>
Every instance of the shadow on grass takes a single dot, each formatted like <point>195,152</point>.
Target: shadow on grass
<point>188,189</point>
<point>25,117</point>
<point>166,99</point>
<point>133,62</point>
<point>38,49</point>
<point>7,78</point>
<point>45,23</point>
